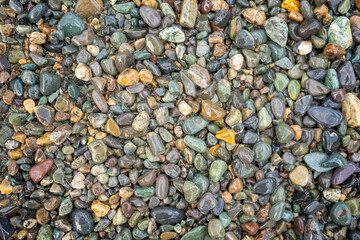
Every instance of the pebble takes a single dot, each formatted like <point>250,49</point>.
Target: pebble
<point>150,16</point>
<point>71,24</point>
<point>188,13</point>
<point>40,170</point>
<point>167,215</point>
<point>351,110</point>
<point>309,27</point>
<point>299,176</point>
<point>325,116</point>
<point>340,33</point>
<point>82,221</point>
<point>87,8</point>
<point>199,75</point>
<point>277,30</point>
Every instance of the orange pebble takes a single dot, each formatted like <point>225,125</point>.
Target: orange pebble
<point>29,105</point>
<point>76,115</point>
<point>19,136</point>
<point>8,97</point>
<point>128,77</point>
<point>146,77</point>
<point>214,149</point>
<point>296,16</point>
<point>22,61</point>
<point>16,153</point>
<point>126,192</point>
<point>236,186</point>
<point>298,131</point>
<point>226,196</point>
<point>291,5</point>
<point>44,140</point>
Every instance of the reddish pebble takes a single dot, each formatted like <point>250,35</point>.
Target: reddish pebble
<point>13,168</point>
<point>102,234</point>
<point>206,6</point>
<point>127,209</point>
<point>39,171</point>
<point>266,234</point>
<point>299,226</point>
<point>338,95</point>
<point>251,228</point>
<point>153,58</point>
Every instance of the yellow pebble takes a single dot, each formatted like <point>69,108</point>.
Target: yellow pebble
<point>19,136</point>
<point>90,139</point>
<point>5,187</point>
<point>150,3</point>
<point>16,153</point>
<point>44,140</point>
<point>291,5</point>
<point>112,128</point>
<point>29,105</point>
<point>228,135</point>
<point>128,77</point>
<point>100,209</point>
<point>76,115</point>
<point>100,135</point>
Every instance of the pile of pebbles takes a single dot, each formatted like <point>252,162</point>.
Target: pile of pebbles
<point>179,119</point>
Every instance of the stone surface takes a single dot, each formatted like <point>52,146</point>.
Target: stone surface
<point>88,8</point>
<point>277,30</point>
<point>39,171</point>
<point>188,13</point>
<point>167,215</point>
<point>300,176</point>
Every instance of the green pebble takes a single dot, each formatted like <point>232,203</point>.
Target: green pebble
<point>18,118</point>
<point>277,211</point>
<point>262,151</point>
<point>354,205</point>
<point>264,118</point>
<point>144,191</point>
<point>197,233</point>
<point>73,91</point>
<point>340,213</point>
<point>217,169</point>
<point>191,191</point>
<point>281,82</point>
<point>294,89</point>
<point>118,38</point>
<point>71,24</point>
<point>49,83</point>
<point>45,233</point>
<point>225,219</point>
<point>331,79</point>
<point>284,133</point>
<point>216,228</point>
<point>195,143</point>
<point>29,77</point>
<point>124,8</point>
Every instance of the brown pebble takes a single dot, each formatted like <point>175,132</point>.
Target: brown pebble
<point>251,228</point>
<point>211,111</point>
<point>147,179</point>
<point>42,216</point>
<point>52,203</point>
<point>13,168</point>
<point>254,16</point>
<point>296,16</point>
<point>334,50</point>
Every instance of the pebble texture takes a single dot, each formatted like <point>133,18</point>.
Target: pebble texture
<point>189,120</point>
